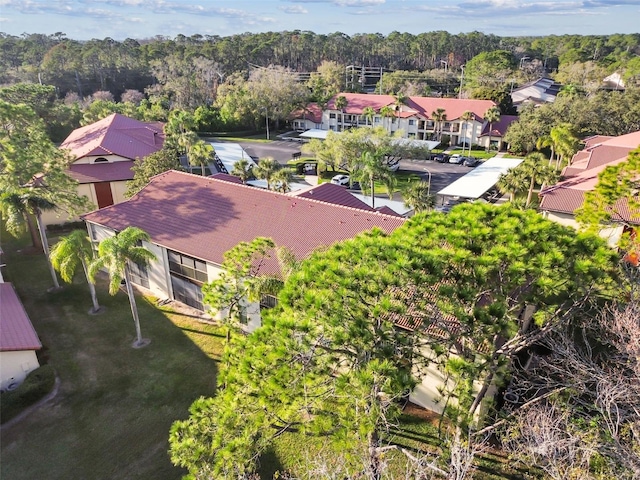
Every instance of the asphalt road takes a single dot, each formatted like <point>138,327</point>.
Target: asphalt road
<point>442,174</point>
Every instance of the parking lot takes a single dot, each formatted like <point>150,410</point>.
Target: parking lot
<point>442,174</point>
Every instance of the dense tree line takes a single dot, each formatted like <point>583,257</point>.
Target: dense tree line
<point>107,64</point>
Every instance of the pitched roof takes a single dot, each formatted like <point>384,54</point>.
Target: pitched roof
<point>423,106</point>
<point>499,128</point>
<point>357,102</point>
<point>539,91</point>
<point>115,135</point>
<point>312,112</point>
<point>581,176</point>
<point>454,107</point>
<point>204,217</point>
<point>335,194</point>
<point>17,332</point>
<point>101,172</point>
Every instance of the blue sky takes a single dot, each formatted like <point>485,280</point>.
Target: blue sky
<point>119,19</point>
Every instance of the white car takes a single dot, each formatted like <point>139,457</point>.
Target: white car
<point>456,158</point>
<point>340,180</point>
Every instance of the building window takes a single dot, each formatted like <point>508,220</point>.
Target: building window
<point>377,119</point>
<point>100,160</point>
<point>139,274</point>
<point>187,267</point>
<point>412,122</point>
<point>412,135</point>
<point>92,233</point>
<point>332,115</point>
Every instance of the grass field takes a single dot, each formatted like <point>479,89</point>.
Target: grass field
<point>115,404</point>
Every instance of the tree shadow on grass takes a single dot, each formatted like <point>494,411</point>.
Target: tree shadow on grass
<point>269,464</point>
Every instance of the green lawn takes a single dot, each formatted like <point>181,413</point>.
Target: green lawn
<point>111,416</point>
<point>402,178</point>
<point>115,404</point>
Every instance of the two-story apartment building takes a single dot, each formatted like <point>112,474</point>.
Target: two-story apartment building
<point>416,117</point>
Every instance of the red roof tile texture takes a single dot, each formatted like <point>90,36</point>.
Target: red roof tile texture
<point>205,217</point>
<point>115,135</point>
<point>582,175</point>
<point>335,194</point>
<point>422,106</point>
<point>16,331</point>
<point>101,172</point>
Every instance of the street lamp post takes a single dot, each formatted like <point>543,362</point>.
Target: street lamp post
<point>461,78</point>
<point>428,181</point>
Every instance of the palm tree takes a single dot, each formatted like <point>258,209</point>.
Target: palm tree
<point>341,103</point>
<point>544,142</point>
<point>368,113</point>
<point>68,254</point>
<point>282,179</point>
<point>400,99</point>
<point>492,116</point>
<point>371,168</point>
<point>512,182</point>
<point>467,117</point>
<point>565,142</point>
<point>187,140</point>
<point>439,116</point>
<point>201,153</point>
<point>271,284</point>
<point>16,206</point>
<point>265,170</point>
<point>418,197</point>
<point>114,255</point>
<point>242,169</point>
<point>387,112</point>
<point>534,168</point>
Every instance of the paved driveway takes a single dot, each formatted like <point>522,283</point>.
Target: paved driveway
<point>442,174</point>
<point>282,151</point>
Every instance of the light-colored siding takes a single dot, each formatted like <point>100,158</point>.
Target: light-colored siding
<point>14,366</point>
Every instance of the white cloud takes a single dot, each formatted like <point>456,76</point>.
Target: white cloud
<point>294,9</point>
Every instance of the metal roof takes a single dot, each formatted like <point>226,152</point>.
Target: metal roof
<point>16,328</point>
<point>315,133</point>
<point>480,179</point>
<point>230,153</point>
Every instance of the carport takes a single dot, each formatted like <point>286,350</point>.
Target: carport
<point>228,154</point>
<point>481,179</point>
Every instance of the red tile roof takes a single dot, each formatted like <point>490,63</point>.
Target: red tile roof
<point>101,172</point>
<point>423,106</point>
<point>16,330</point>
<point>312,112</point>
<point>582,175</point>
<point>226,177</point>
<point>115,135</point>
<point>499,128</point>
<point>335,194</point>
<point>204,217</point>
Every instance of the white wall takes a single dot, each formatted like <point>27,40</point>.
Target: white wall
<point>14,366</point>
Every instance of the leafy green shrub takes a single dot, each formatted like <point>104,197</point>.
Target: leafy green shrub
<point>38,383</point>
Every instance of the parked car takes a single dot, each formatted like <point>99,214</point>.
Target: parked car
<point>471,162</point>
<point>341,180</point>
<point>456,158</point>
<point>441,158</point>
<point>355,186</point>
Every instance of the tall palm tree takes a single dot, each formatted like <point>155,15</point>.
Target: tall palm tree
<point>565,142</point>
<point>368,113</point>
<point>17,206</point>
<point>418,197</point>
<point>341,103</point>
<point>265,169</point>
<point>201,153</point>
<point>387,112</point>
<point>187,140</point>
<point>467,117</point>
<point>544,142</point>
<point>242,169</point>
<point>534,168</point>
<point>492,115</point>
<point>372,168</point>
<point>439,116</point>
<point>115,255</point>
<point>68,254</point>
<point>400,99</point>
